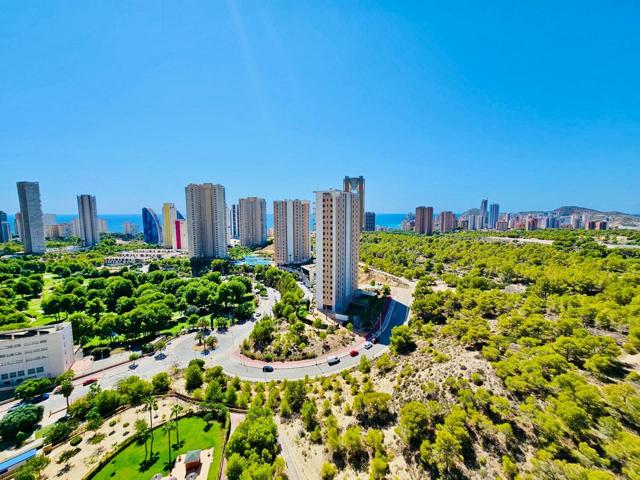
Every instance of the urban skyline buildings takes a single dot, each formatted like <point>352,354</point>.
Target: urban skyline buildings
<point>369,221</point>
<point>252,220</point>
<point>151,228</point>
<point>5,229</point>
<point>206,220</point>
<point>356,185</point>
<point>88,217</point>
<point>169,217</point>
<point>424,220</point>
<point>31,222</point>
<point>494,212</point>
<point>291,239</point>
<point>337,233</point>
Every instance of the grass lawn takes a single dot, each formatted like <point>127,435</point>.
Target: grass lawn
<point>130,463</point>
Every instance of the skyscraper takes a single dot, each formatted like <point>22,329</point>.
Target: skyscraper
<point>180,235</point>
<point>447,221</point>
<point>424,220</point>
<point>17,225</point>
<point>88,215</point>
<point>494,213</point>
<point>356,184</point>
<point>337,248</point>
<point>291,231</point>
<point>31,225</point>
<point>235,228</point>
<point>151,229</point>
<point>5,229</point>
<point>168,223</point>
<point>369,222</point>
<point>483,213</point>
<point>206,220</point>
<point>252,216</point>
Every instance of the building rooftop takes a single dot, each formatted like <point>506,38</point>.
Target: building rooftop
<point>32,331</point>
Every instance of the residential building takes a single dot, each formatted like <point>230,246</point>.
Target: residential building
<point>601,225</point>
<point>291,231</point>
<point>5,229</point>
<point>252,215</point>
<point>494,213</point>
<point>151,228</point>
<point>531,223</point>
<point>65,230</point>
<point>180,234</point>
<point>502,225</point>
<point>130,228</point>
<point>337,248</point>
<point>31,225</point>
<point>424,220</point>
<point>103,226</point>
<point>169,217</point>
<point>17,225</point>
<point>483,213</point>
<point>35,352</point>
<point>369,222</point>
<point>447,221</point>
<point>234,221</point>
<point>206,220</point>
<point>356,185</point>
<point>88,215</point>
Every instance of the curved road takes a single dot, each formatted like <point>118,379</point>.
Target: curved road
<point>180,351</point>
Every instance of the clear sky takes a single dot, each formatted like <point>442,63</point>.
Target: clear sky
<point>533,104</point>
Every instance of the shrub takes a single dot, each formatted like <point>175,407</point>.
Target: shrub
<point>75,440</point>
<point>112,423</point>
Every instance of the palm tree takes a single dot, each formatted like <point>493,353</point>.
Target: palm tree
<point>142,430</point>
<point>199,337</point>
<point>210,342</point>
<point>151,404</point>
<point>66,387</point>
<point>166,429</point>
<point>176,410</point>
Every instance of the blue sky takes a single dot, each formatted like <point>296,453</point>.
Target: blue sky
<point>533,104</point>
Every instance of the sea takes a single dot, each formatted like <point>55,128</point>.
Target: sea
<point>115,221</point>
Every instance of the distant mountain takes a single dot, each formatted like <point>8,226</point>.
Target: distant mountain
<point>472,211</point>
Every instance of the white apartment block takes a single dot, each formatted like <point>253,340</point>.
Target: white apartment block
<point>35,352</point>
<point>88,217</point>
<point>206,220</point>
<point>291,231</point>
<point>31,225</point>
<point>337,248</point>
<point>252,219</point>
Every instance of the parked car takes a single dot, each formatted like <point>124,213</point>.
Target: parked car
<point>353,353</point>
<point>368,345</point>
<point>267,368</point>
<point>40,398</point>
<point>258,314</point>
<point>89,381</point>
<point>332,360</point>
<point>57,390</point>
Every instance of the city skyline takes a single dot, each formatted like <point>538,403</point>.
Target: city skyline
<point>523,103</point>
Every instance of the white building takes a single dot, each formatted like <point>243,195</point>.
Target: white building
<point>88,220</point>
<point>130,228</point>
<point>35,352</point>
<point>31,225</point>
<point>206,220</point>
<point>337,248</point>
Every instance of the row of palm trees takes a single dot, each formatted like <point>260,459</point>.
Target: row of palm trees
<point>144,430</point>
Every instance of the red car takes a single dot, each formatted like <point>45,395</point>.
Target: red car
<point>353,353</point>
<point>89,381</point>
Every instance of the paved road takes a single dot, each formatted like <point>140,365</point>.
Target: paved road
<point>180,351</point>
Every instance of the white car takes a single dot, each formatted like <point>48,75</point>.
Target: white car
<point>368,345</point>
<point>333,359</point>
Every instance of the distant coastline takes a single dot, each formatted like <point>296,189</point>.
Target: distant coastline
<point>116,221</point>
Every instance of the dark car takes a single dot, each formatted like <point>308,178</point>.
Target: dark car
<point>89,381</point>
<point>267,368</point>
<point>40,398</point>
